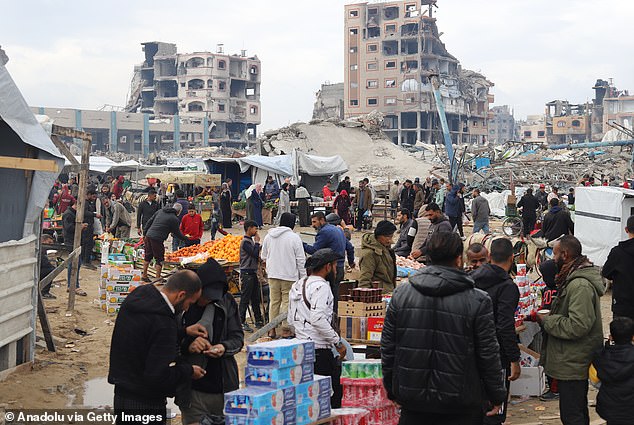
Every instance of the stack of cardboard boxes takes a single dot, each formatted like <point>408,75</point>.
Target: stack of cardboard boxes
<point>118,279</point>
<point>281,387</point>
<point>361,316</point>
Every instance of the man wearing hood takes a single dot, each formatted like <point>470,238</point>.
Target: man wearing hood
<point>494,279</point>
<point>574,329</point>
<point>453,208</point>
<point>310,312</point>
<point>144,363</point>
<point>156,232</point>
<point>618,269</point>
<point>283,253</point>
<point>216,311</point>
<point>378,261</point>
<point>557,222</point>
<point>439,223</point>
<point>440,359</point>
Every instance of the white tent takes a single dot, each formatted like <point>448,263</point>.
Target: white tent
<point>601,214</point>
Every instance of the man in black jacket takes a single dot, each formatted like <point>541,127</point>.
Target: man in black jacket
<point>146,210</point>
<point>144,363</point>
<point>68,231</point>
<point>439,223</point>
<point>618,268</point>
<point>494,279</point>
<point>217,312</point>
<point>529,205</point>
<point>440,358</point>
<point>408,195</point>
<point>156,232</point>
<point>557,222</point>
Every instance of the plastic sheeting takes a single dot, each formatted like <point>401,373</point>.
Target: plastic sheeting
<point>601,214</point>
<point>16,113</point>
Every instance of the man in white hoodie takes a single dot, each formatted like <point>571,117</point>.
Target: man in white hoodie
<point>283,252</point>
<point>310,313</point>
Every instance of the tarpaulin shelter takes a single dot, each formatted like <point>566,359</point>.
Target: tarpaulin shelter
<point>29,165</point>
<point>601,215</point>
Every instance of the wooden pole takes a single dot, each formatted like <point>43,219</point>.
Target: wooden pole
<point>79,220</point>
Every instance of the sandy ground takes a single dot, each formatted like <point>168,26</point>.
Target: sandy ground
<point>57,380</point>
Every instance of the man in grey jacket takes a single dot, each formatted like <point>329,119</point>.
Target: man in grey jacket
<point>117,219</point>
<point>439,223</point>
<point>480,210</point>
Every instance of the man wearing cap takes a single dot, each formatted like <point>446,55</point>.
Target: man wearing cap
<point>214,350</point>
<point>378,261</point>
<point>542,196</point>
<point>310,312</point>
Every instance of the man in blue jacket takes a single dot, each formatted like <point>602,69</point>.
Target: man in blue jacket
<point>328,236</point>
<point>453,208</point>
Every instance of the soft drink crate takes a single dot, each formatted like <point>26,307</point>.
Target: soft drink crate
<point>285,417</point>
<point>256,402</point>
<point>388,415</point>
<point>349,415</point>
<point>361,369</point>
<point>271,377</point>
<point>319,389</point>
<point>313,411</point>
<point>364,392</point>
<point>281,353</point>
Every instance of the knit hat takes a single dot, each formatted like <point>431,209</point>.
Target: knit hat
<point>548,269</point>
<point>384,228</point>
<point>288,220</point>
<point>213,279</point>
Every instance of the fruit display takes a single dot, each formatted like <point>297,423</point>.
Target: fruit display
<point>409,264</point>
<point>227,248</point>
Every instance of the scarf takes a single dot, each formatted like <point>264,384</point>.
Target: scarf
<point>567,269</point>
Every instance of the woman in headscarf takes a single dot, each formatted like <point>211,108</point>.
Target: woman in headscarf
<point>225,206</point>
<point>342,205</point>
<point>284,204</point>
<point>257,202</point>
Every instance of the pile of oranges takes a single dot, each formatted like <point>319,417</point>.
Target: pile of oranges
<point>227,248</point>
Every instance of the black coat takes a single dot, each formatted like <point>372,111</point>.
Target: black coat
<point>505,296</point>
<point>438,350</point>
<point>144,212</point>
<point>618,268</point>
<point>161,224</point>
<point>144,347</point>
<point>68,226</point>
<point>530,204</point>
<point>557,222</point>
<point>407,198</point>
<point>615,369</point>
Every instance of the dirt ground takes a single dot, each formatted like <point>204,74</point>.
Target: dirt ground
<point>56,380</point>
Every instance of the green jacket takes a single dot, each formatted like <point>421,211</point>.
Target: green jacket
<point>574,328</point>
<point>377,264</point>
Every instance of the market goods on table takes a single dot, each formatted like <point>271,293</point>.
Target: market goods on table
<point>408,263</point>
<point>530,295</point>
<point>227,248</point>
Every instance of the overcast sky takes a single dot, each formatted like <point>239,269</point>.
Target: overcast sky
<point>81,54</point>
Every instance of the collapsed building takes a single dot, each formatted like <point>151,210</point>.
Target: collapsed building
<point>391,49</point>
<point>329,102</point>
<point>217,90</point>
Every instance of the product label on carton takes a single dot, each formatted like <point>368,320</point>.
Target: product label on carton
<point>116,297</point>
<point>313,411</point>
<point>318,389</point>
<point>268,377</point>
<point>121,287</point>
<point>375,328</point>
<point>285,417</point>
<point>256,402</point>
<point>281,353</point>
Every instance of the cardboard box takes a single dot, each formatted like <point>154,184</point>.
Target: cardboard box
<point>318,389</point>
<point>272,377</point>
<point>353,327</point>
<point>360,309</point>
<point>255,402</point>
<point>528,357</point>
<point>313,411</point>
<point>112,308</point>
<point>375,328</point>
<point>531,382</point>
<point>121,287</point>
<point>116,297</point>
<point>102,293</point>
<point>281,353</point>
<point>285,417</point>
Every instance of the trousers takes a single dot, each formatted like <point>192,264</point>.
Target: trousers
<point>573,402</point>
<point>136,409</point>
<point>250,294</point>
<point>326,364</point>
<point>278,295</point>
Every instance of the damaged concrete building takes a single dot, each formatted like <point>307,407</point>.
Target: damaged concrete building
<point>329,102</point>
<point>501,125</point>
<point>221,91</point>
<point>391,49</point>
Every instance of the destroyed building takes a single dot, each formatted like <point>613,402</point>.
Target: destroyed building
<point>533,129</point>
<point>391,49</point>
<point>220,91</point>
<point>329,102</point>
<point>501,125</point>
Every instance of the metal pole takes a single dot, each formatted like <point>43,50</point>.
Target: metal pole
<point>79,220</point>
<point>435,82</point>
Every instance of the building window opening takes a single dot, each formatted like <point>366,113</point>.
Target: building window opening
<point>250,91</point>
<point>390,12</point>
<point>354,31</point>
<point>390,101</point>
<point>353,50</point>
<point>410,11</point>
<point>354,13</point>
<point>409,47</point>
<point>409,30</point>
<point>390,48</point>
<point>195,62</point>
<point>372,66</point>
<point>372,101</point>
<point>195,84</point>
<point>390,84</point>
<point>372,84</point>
<point>195,107</point>
<point>253,110</point>
<point>354,67</point>
<point>222,64</point>
<point>354,102</point>
<point>253,70</point>
<point>408,66</point>
<point>541,134</point>
<point>527,134</point>
<point>390,65</point>
<point>373,48</point>
<point>374,32</point>
<point>221,107</point>
<point>390,29</point>
<point>222,86</point>
<point>210,84</point>
<point>576,123</point>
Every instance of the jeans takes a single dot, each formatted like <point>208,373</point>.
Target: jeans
<point>481,225</point>
<point>70,266</point>
<point>573,402</point>
<point>327,365</point>
<point>359,222</point>
<point>393,206</point>
<point>250,295</point>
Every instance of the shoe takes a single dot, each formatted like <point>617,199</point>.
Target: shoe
<point>549,396</point>
<point>259,325</point>
<point>49,296</point>
<point>247,328</point>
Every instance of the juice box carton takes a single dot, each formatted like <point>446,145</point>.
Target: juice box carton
<point>313,411</point>
<point>271,377</point>
<point>256,402</point>
<point>116,297</point>
<point>121,287</point>
<point>285,417</point>
<point>281,353</point>
<point>319,389</point>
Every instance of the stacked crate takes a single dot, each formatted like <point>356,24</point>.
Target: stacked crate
<point>118,279</point>
<point>359,313</point>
